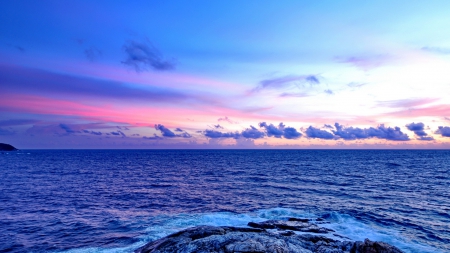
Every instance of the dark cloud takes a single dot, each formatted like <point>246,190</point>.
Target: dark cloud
<point>353,133</point>
<point>122,128</point>
<point>19,79</point>
<point>444,131</point>
<point>388,133</point>
<point>154,137</point>
<point>144,56</point>
<point>284,81</point>
<point>272,131</point>
<point>92,53</point>
<point>68,129</point>
<point>252,133</point>
<point>218,126</point>
<point>168,133</point>
<point>418,129</point>
<point>313,132</point>
<point>118,133</point>
<point>280,131</point>
<point>92,132</point>
<point>17,122</point>
<point>426,138</point>
<point>216,134</point>
<point>415,126</point>
<point>227,120</point>
<point>350,133</point>
<point>178,129</point>
<point>291,133</point>
<point>328,126</point>
<point>165,131</point>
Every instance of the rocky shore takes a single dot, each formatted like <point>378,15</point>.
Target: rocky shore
<point>277,236</point>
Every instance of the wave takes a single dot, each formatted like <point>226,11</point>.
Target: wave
<point>344,225</point>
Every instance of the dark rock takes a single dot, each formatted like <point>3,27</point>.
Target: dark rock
<point>290,225</point>
<point>373,247</point>
<point>7,147</point>
<point>297,219</point>
<point>204,239</point>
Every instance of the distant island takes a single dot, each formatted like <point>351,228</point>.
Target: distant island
<point>7,147</point>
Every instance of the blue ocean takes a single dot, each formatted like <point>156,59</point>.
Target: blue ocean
<point>117,200</point>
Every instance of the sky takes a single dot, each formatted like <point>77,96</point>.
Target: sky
<point>225,74</point>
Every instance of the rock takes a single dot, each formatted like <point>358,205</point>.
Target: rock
<point>373,247</point>
<point>257,239</point>
<point>7,147</point>
<point>303,226</point>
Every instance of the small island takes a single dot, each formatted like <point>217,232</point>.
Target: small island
<point>7,147</point>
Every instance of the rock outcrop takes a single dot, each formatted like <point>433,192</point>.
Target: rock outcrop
<point>269,236</point>
<point>7,147</point>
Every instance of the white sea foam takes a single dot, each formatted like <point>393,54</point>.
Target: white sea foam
<point>344,225</point>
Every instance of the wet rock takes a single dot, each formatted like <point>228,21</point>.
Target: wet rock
<point>301,226</point>
<point>373,247</point>
<point>204,239</point>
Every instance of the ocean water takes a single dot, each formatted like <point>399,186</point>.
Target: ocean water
<point>117,200</point>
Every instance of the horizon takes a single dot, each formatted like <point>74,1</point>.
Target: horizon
<point>202,75</point>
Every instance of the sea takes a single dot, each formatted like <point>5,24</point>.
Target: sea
<point>89,201</point>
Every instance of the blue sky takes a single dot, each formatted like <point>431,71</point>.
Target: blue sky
<point>234,74</point>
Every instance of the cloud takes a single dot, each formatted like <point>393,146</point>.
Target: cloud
<point>92,132</point>
<point>356,84</point>
<point>406,103</point>
<point>438,50</point>
<point>418,129</point>
<point>329,92</point>
<point>388,133</point>
<point>227,120</point>
<point>118,133</point>
<point>17,122</point>
<point>216,134</point>
<point>444,131</point>
<point>285,81</point>
<point>293,94</point>
<point>67,129</point>
<point>143,55</point>
<point>92,53</point>
<point>218,126</point>
<point>252,133</point>
<point>16,79</point>
<point>313,132</point>
<point>272,131</point>
<point>154,137</point>
<point>4,131</point>
<point>168,133</point>
<point>350,133</point>
<point>426,138</point>
<point>353,133</point>
<point>280,131</point>
<point>365,62</point>
<point>178,129</point>
<point>291,133</point>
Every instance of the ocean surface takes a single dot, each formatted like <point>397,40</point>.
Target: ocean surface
<point>117,200</point>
